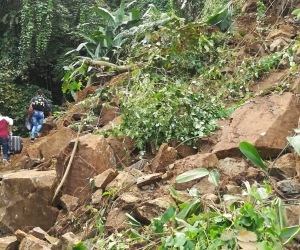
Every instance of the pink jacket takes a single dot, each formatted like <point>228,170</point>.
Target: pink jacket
<point>4,122</point>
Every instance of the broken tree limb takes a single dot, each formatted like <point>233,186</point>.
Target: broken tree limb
<point>104,64</point>
<point>69,164</point>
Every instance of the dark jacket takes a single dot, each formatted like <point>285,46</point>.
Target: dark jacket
<point>46,104</point>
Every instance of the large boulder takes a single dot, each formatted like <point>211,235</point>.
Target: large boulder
<point>24,201</point>
<point>265,122</point>
<point>9,243</point>
<point>51,145</point>
<point>93,156</point>
<point>122,147</point>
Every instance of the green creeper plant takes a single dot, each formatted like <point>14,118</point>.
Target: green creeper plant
<point>36,27</point>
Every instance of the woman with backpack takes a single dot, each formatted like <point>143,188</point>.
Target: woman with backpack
<point>37,106</point>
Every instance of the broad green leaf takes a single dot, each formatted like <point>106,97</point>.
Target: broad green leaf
<point>104,13</point>
<point>168,214</point>
<point>189,245</point>
<point>191,206</point>
<point>119,14</point>
<point>97,55</point>
<point>290,233</point>
<point>262,192</point>
<point>295,142</point>
<point>135,14</point>
<point>203,216</point>
<point>179,240</point>
<point>255,194</point>
<point>214,177</point>
<point>192,175</point>
<point>169,241</point>
<point>194,192</point>
<point>296,12</point>
<point>189,227</point>
<point>251,153</point>
<point>80,46</point>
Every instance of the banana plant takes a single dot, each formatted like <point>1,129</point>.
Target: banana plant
<point>107,35</point>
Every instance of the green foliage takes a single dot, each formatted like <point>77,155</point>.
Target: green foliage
<point>100,44</point>
<point>261,11</point>
<point>158,110</point>
<point>222,19</point>
<point>79,246</point>
<point>143,5</point>
<point>192,175</point>
<point>36,28</point>
<point>253,223</point>
<point>296,12</point>
<point>251,153</point>
<point>295,142</point>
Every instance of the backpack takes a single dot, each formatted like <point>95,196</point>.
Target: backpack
<point>38,104</point>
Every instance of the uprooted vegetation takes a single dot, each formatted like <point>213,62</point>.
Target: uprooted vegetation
<point>181,79</point>
<point>184,78</point>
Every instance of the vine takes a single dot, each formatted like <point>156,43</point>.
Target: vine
<point>36,17</point>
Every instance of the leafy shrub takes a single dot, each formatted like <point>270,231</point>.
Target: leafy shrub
<point>159,111</point>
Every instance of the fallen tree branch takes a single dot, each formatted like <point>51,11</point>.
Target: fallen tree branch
<point>104,64</point>
<point>69,164</point>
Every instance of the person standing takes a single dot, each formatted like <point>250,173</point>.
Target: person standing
<point>6,124</point>
<point>38,104</point>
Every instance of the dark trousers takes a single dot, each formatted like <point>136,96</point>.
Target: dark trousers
<point>4,143</point>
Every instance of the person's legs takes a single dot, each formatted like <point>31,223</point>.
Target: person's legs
<point>40,121</point>
<point>37,123</point>
<point>4,142</point>
<point>5,149</point>
<point>34,123</point>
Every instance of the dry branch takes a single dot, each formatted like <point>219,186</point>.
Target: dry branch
<point>69,164</point>
<point>104,64</point>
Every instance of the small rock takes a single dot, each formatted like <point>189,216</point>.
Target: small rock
<point>96,197</point>
<point>38,233</point>
<point>211,197</point>
<point>69,202</point>
<point>148,179</point>
<point>166,155</point>
<point>104,178</point>
<point>289,186</point>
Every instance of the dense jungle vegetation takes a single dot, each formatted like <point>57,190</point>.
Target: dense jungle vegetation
<point>35,37</point>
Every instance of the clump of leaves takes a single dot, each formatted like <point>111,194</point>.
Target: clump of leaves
<point>159,109</point>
